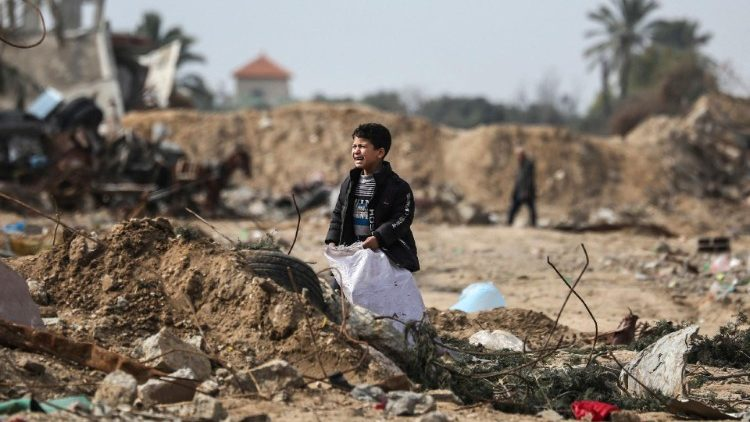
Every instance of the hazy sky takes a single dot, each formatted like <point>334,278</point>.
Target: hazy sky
<point>494,48</point>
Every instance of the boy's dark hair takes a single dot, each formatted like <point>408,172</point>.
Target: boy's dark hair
<point>375,133</point>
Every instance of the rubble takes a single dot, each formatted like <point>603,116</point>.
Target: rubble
<point>168,353</point>
<point>207,408</point>
<point>407,403</point>
<point>178,386</point>
<point>116,388</point>
<point>237,308</point>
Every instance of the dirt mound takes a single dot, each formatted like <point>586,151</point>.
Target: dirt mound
<point>292,143</point>
<point>663,163</point>
<point>142,277</point>
<point>531,326</point>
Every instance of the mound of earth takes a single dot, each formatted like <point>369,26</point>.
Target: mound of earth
<point>141,276</point>
<point>533,327</point>
<point>683,167</point>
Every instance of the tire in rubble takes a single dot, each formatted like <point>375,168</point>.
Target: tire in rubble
<point>276,265</point>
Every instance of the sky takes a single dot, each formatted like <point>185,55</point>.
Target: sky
<point>499,49</point>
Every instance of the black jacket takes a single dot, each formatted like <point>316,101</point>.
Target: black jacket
<point>391,212</point>
<point>525,188</point>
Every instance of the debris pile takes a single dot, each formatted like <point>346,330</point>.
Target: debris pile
<point>708,148</point>
<point>142,277</point>
<point>217,330</point>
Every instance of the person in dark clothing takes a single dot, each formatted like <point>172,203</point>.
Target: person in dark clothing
<point>524,190</point>
<point>375,206</point>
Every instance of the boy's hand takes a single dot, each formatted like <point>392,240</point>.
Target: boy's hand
<point>371,243</point>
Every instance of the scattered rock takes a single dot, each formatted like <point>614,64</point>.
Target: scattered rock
<point>365,392</point>
<point>407,403</point>
<point>207,408</point>
<point>175,388</point>
<point>169,353</point>
<point>382,366</point>
<point>31,366</point>
<point>209,387</point>
<point>38,292</point>
<point>116,388</point>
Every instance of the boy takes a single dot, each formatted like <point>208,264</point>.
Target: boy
<point>375,205</point>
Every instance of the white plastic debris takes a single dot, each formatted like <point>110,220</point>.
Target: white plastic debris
<point>497,340</point>
<point>661,366</point>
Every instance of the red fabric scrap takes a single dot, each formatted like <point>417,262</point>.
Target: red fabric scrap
<point>598,410</point>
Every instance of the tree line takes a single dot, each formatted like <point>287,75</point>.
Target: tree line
<point>645,67</point>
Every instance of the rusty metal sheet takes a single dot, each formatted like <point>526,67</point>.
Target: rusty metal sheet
<point>16,304</point>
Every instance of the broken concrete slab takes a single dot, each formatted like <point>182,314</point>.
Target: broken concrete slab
<point>116,388</point>
<point>207,408</point>
<point>176,387</point>
<point>169,353</point>
<point>16,304</point>
<point>661,366</point>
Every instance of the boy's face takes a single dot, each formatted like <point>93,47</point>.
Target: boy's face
<point>365,156</point>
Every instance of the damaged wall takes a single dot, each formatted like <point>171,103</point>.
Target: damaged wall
<point>80,63</point>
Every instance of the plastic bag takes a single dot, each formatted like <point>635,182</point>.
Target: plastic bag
<point>369,279</point>
<point>480,296</point>
<point>596,410</point>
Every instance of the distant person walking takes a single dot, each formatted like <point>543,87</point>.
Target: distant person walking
<point>524,190</point>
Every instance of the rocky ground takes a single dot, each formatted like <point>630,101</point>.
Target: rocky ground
<point>115,297</point>
<point>159,273</point>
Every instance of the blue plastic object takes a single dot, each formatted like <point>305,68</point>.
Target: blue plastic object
<point>45,103</point>
<point>480,296</point>
<point>15,228</point>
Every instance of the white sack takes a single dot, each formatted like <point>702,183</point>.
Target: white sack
<point>369,279</point>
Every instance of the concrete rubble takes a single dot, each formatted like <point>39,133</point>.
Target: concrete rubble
<point>167,352</point>
<point>178,386</point>
<point>116,388</point>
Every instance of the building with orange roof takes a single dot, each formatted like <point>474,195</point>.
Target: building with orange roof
<point>261,83</point>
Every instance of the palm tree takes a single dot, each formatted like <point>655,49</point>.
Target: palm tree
<point>600,58</point>
<point>681,34</point>
<point>623,30</point>
<point>151,26</point>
